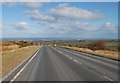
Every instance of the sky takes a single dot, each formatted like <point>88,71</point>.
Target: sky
<point>80,20</point>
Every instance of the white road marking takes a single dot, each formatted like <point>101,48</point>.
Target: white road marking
<point>98,61</point>
<point>108,78</point>
<point>70,58</point>
<point>61,52</point>
<point>82,56</point>
<point>81,63</point>
<point>13,79</point>
<point>75,60</point>
<point>58,51</point>
<point>66,55</point>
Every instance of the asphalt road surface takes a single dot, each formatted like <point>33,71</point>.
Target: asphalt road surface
<point>59,64</point>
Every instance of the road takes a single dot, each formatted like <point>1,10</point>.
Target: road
<point>59,64</point>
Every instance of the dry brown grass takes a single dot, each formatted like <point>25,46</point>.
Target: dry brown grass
<point>11,59</point>
<point>0,61</point>
<point>102,53</point>
<point>10,48</point>
<point>7,43</point>
<point>0,48</point>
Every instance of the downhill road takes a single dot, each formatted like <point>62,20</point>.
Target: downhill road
<point>59,64</point>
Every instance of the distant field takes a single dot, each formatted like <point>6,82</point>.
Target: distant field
<point>111,45</point>
<point>10,59</point>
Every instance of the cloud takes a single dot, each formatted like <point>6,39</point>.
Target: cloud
<point>26,0</point>
<point>32,4</point>
<point>27,4</point>
<point>36,15</point>
<point>85,26</point>
<point>9,1</point>
<point>66,19</point>
<point>66,11</point>
<point>0,24</point>
<point>0,28</point>
<point>63,12</point>
<point>68,27</point>
<point>20,25</point>
<point>78,28</point>
<point>10,4</point>
<point>0,2</point>
<point>109,27</point>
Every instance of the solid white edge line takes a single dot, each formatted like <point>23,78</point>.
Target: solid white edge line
<point>5,77</point>
<point>13,79</point>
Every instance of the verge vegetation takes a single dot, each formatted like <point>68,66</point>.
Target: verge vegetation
<point>102,48</point>
<point>14,53</point>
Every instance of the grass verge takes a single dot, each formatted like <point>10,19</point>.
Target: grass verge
<point>11,59</point>
<point>101,53</point>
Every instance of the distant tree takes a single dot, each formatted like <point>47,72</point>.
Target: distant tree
<point>70,45</point>
<point>77,45</point>
<point>24,43</point>
<point>98,45</point>
<point>118,48</point>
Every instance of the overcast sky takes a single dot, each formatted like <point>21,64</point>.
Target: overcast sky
<point>60,20</point>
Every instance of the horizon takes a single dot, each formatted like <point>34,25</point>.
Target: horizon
<point>8,39</point>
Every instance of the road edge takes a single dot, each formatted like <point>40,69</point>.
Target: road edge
<point>19,65</point>
<point>92,54</point>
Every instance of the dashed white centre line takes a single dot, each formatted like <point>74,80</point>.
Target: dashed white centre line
<point>81,63</point>
<point>66,55</point>
<point>108,78</point>
<point>75,60</point>
<point>70,58</point>
<point>60,52</point>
